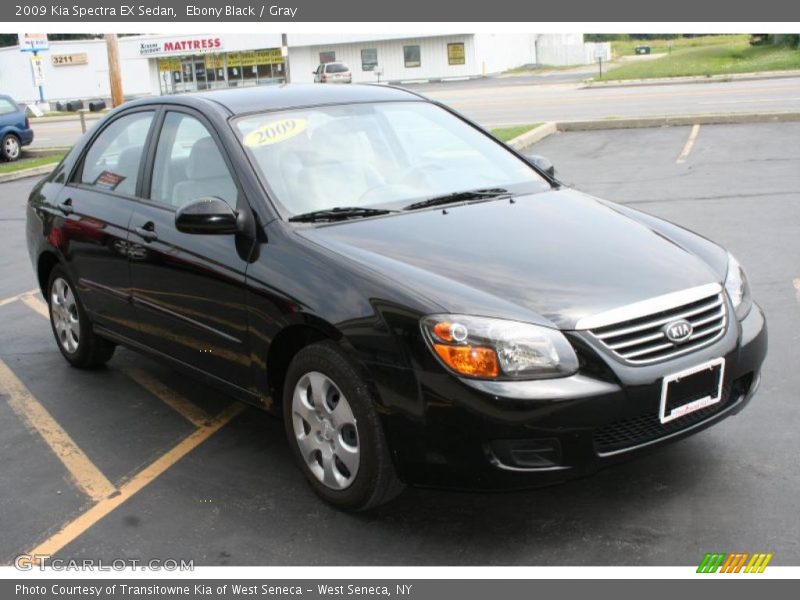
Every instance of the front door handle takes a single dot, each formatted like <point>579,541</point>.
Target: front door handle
<point>66,207</point>
<point>147,232</point>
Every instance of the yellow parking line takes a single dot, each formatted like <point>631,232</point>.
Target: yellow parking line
<point>11,299</point>
<point>36,304</point>
<point>689,144</point>
<point>81,524</point>
<point>170,397</point>
<point>82,470</point>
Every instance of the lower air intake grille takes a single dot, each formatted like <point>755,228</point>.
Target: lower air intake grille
<point>635,431</point>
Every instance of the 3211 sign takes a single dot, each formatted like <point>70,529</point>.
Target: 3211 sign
<point>62,60</point>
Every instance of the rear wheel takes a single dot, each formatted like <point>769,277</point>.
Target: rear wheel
<point>335,432</point>
<point>73,332</point>
<point>10,148</point>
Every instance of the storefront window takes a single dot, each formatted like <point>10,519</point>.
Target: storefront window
<point>170,75</point>
<point>216,71</point>
<point>369,59</point>
<point>326,57</point>
<point>234,66</point>
<point>411,55</point>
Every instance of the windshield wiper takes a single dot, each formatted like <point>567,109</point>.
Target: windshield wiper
<point>458,197</point>
<point>339,213</point>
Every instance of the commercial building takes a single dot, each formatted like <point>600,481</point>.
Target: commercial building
<point>170,64</point>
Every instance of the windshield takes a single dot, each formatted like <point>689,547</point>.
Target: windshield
<point>382,154</point>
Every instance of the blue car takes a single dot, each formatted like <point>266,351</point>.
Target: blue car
<point>15,129</point>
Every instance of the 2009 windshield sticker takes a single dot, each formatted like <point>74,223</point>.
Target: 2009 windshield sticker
<point>275,132</point>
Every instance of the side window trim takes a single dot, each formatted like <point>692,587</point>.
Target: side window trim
<point>77,170</point>
<point>147,179</point>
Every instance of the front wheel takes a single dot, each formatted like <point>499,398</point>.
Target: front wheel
<point>335,432</point>
<point>71,327</point>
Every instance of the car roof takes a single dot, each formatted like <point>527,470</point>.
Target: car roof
<point>273,97</point>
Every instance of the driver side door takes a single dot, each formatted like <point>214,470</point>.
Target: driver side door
<point>189,289</point>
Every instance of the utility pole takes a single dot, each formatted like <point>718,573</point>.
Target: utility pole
<point>285,54</point>
<point>114,72</point>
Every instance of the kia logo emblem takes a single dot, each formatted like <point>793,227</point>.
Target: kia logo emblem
<point>678,331</point>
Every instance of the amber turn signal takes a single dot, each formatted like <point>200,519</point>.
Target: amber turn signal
<point>475,361</point>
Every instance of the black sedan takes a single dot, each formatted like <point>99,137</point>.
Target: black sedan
<point>420,303</point>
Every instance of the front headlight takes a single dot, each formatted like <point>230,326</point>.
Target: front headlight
<point>498,349</point>
<point>737,287</point>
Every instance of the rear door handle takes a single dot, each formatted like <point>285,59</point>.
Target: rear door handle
<point>147,232</point>
<point>66,207</point>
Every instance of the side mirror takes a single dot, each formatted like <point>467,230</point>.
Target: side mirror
<point>542,163</point>
<point>209,215</point>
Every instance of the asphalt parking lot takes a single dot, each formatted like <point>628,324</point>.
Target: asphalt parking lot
<point>134,461</point>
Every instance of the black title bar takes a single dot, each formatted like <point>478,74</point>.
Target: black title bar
<point>258,11</point>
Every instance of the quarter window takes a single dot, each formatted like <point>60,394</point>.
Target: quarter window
<point>7,107</point>
<point>112,162</point>
<point>411,55</point>
<point>188,164</point>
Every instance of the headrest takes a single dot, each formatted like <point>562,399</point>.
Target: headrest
<point>205,161</point>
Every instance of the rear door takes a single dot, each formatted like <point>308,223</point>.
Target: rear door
<point>189,289</point>
<point>94,211</point>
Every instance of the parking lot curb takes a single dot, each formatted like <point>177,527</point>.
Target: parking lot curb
<point>533,136</point>
<point>24,173</point>
<point>33,152</point>
<point>678,120</point>
<point>529,138</point>
<point>588,84</point>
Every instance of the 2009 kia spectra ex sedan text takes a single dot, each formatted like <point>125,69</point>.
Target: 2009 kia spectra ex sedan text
<point>419,302</point>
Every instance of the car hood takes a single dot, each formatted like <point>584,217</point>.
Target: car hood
<point>553,257</point>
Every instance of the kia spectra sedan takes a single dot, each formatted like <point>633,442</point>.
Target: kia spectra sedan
<point>419,303</point>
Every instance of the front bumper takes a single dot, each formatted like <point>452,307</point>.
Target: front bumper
<point>472,434</point>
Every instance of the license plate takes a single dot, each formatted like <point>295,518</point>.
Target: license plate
<point>691,390</point>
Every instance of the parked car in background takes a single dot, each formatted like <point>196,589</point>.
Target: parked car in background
<point>333,72</point>
<point>15,129</point>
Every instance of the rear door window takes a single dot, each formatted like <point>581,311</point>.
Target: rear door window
<point>112,161</point>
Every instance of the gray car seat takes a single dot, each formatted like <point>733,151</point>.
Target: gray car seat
<point>207,175</point>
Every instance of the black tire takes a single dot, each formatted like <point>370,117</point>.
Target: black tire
<point>10,148</point>
<point>91,350</point>
<point>375,481</point>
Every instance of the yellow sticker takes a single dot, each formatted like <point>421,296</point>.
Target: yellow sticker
<point>275,132</point>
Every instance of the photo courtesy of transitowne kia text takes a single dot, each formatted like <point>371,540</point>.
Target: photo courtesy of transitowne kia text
<point>259,11</point>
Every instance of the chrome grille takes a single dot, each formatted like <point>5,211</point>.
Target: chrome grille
<point>643,340</point>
